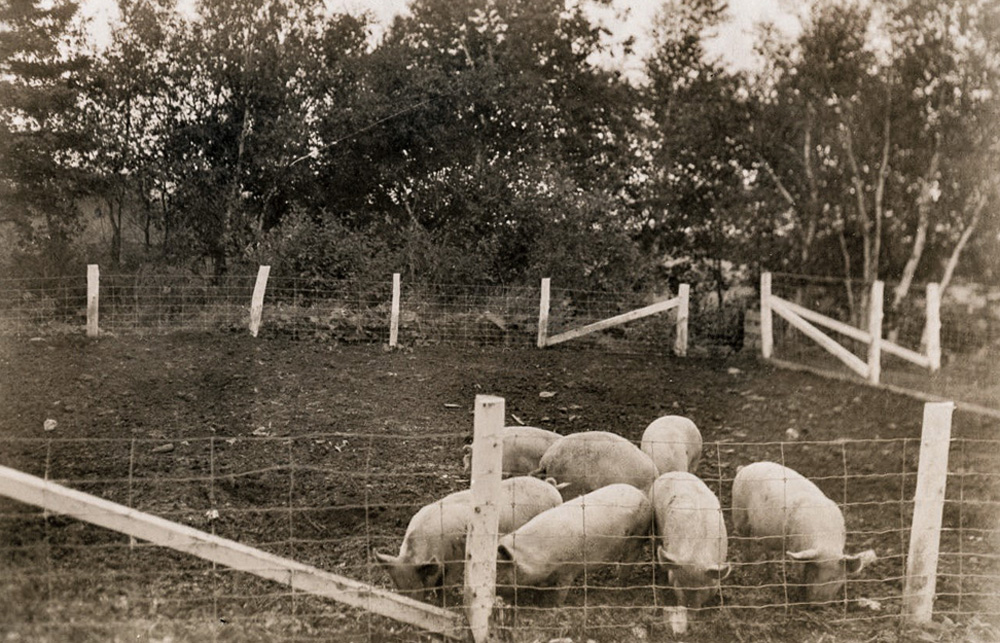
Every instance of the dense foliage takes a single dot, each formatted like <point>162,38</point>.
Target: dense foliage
<point>492,141</point>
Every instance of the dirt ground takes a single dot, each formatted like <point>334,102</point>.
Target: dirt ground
<point>322,452</point>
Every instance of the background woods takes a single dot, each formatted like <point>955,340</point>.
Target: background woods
<point>497,141</point>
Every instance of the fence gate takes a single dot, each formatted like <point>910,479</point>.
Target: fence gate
<point>680,302</point>
<point>800,317</point>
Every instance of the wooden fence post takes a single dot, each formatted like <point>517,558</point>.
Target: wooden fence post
<point>481,542</point>
<point>928,507</point>
<point>257,301</point>
<point>932,330</point>
<point>875,330</point>
<point>683,310</point>
<point>93,288</point>
<point>394,317</point>
<point>766,327</point>
<point>543,313</point>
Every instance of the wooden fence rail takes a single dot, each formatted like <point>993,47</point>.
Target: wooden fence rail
<point>104,513</point>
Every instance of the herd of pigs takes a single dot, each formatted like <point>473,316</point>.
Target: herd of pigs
<point>593,498</point>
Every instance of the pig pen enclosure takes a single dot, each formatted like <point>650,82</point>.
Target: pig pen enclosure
<point>322,452</point>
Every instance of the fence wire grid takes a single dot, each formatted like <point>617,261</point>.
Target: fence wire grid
<point>970,335</point>
<point>330,499</point>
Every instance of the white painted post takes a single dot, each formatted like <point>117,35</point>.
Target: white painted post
<point>394,319</point>
<point>932,331</point>
<point>928,507</point>
<point>681,341</point>
<point>543,313</point>
<point>875,330</point>
<point>481,542</point>
<point>93,288</point>
<point>257,301</point>
<point>766,327</point>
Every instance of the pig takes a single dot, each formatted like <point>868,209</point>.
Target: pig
<point>606,526</point>
<point>586,461</point>
<point>673,443</point>
<point>691,537</point>
<point>432,554</point>
<point>783,509</point>
<point>523,447</point>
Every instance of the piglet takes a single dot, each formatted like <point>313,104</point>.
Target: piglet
<point>432,554</point>
<point>586,461</point>
<point>606,526</point>
<point>784,510</point>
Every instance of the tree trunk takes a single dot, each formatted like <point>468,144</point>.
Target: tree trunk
<point>923,223</point>
<point>949,268</point>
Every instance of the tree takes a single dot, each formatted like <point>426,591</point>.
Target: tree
<point>39,76</point>
<point>700,202</point>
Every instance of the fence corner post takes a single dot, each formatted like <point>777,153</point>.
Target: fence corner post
<point>257,301</point>
<point>928,508</point>
<point>932,330</point>
<point>394,315</point>
<point>766,327</point>
<point>683,312</point>
<point>543,313</point>
<point>93,297</point>
<point>875,304</point>
<point>481,542</point>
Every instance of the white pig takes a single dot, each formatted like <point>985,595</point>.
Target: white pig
<point>673,443</point>
<point>691,537</point>
<point>590,460</point>
<point>609,525</point>
<point>523,447</point>
<point>785,510</point>
<point>432,554</point>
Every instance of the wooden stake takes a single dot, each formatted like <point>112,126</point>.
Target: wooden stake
<point>93,288</point>
<point>933,328</point>
<point>481,543</point>
<point>766,326</point>
<point>257,301</point>
<point>875,330</point>
<point>928,508</point>
<point>394,318</point>
<point>683,310</point>
<point>543,314</point>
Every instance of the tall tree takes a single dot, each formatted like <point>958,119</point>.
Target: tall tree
<point>38,91</point>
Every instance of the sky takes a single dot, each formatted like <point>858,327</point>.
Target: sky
<point>624,18</point>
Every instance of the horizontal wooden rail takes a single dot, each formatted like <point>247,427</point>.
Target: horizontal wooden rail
<point>822,320</point>
<point>617,320</point>
<point>905,353</point>
<point>62,500</point>
<point>855,363</point>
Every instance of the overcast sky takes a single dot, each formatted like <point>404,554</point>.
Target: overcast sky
<point>623,17</point>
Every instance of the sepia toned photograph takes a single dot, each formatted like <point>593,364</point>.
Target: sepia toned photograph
<point>500,321</point>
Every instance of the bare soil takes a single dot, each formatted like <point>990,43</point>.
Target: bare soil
<point>321,452</point>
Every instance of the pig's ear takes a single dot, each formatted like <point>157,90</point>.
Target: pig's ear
<point>504,554</point>
<point>430,571</point>
<point>857,562</point>
<point>384,559</point>
<point>558,485</point>
<point>805,555</point>
<point>718,572</point>
<point>664,558</point>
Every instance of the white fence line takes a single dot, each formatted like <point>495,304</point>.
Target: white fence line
<point>799,317</point>
<point>61,500</point>
<point>680,302</point>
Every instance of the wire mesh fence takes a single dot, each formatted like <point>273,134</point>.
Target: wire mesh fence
<point>969,337</point>
<point>353,311</point>
<point>331,499</point>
